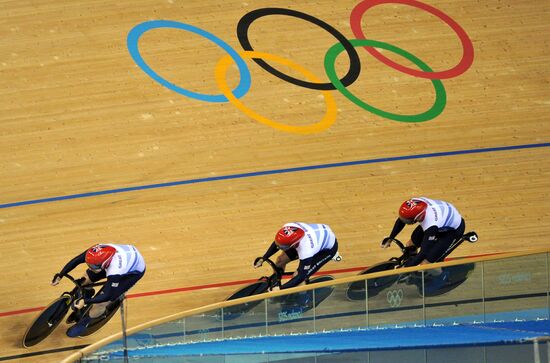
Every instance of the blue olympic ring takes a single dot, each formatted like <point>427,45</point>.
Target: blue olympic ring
<point>132,43</point>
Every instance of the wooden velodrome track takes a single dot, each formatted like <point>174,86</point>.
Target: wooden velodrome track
<point>80,122</point>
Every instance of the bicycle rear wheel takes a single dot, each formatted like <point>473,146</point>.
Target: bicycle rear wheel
<point>320,294</point>
<point>47,321</point>
<point>233,312</point>
<point>97,323</point>
<point>450,278</point>
<point>356,290</point>
<point>301,302</point>
<point>323,292</point>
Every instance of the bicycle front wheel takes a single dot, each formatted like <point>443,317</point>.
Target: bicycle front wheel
<point>47,321</point>
<point>233,312</point>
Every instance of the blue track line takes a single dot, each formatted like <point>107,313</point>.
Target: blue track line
<point>275,171</point>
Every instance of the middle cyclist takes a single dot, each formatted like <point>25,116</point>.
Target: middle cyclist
<point>313,244</point>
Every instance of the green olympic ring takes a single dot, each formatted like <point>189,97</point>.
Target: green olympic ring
<point>440,94</point>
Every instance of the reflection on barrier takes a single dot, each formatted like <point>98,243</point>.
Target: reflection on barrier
<point>502,288</point>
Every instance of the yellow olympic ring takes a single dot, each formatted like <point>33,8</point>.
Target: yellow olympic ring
<point>221,79</point>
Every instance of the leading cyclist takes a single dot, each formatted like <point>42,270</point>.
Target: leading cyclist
<point>122,265</point>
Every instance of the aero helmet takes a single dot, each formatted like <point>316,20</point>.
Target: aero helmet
<point>99,257</point>
<point>288,237</point>
<point>412,210</point>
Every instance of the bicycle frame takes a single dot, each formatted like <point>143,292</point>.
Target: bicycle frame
<point>277,276</point>
<point>356,290</point>
<point>48,319</point>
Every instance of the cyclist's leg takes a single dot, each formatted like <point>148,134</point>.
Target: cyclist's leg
<point>305,298</point>
<point>437,251</point>
<point>420,257</point>
<point>417,236</point>
<point>97,312</point>
<point>123,286</point>
<point>440,250</point>
<point>98,309</point>
<point>92,276</point>
<point>88,278</point>
<point>285,257</point>
<point>321,258</point>
<point>437,278</point>
<point>461,228</point>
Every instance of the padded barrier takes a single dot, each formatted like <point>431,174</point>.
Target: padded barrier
<point>361,340</point>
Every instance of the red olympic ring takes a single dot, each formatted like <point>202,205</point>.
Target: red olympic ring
<point>467,46</point>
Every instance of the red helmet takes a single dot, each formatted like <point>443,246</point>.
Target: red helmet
<point>412,210</point>
<point>99,257</point>
<point>288,237</point>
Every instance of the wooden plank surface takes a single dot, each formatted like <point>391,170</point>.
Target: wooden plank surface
<point>79,116</point>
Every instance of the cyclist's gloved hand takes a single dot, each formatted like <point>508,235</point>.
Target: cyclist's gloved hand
<point>56,278</point>
<point>386,242</point>
<point>258,262</point>
<point>79,304</point>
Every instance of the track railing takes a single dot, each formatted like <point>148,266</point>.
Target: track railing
<point>507,286</point>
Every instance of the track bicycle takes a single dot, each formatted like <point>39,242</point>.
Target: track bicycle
<point>450,277</point>
<point>53,314</point>
<point>298,302</point>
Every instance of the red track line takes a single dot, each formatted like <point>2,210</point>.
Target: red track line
<point>24,311</point>
<point>211,286</point>
<point>191,288</point>
<point>180,289</point>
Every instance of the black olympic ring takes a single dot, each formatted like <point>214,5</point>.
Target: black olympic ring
<point>354,65</point>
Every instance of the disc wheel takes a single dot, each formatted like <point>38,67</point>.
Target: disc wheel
<point>47,321</point>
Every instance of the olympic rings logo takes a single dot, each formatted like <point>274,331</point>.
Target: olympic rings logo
<point>312,81</point>
<point>394,297</point>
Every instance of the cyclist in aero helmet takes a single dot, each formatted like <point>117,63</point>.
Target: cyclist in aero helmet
<point>121,265</point>
<point>313,244</point>
<point>440,225</point>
